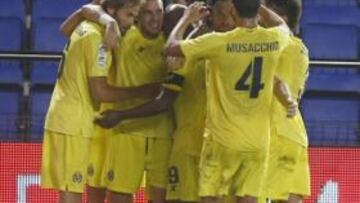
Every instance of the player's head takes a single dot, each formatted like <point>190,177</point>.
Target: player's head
<point>124,11</point>
<point>289,10</point>
<point>173,13</point>
<point>150,18</point>
<point>183,2</point>
<point>219,18</point>
<point>247,8</point>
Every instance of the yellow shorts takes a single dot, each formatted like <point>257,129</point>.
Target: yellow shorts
<point>289,171</point>
<point>127,158</point>
<point>224,171</point>
<point>183,175</point>
<point>97,158</point>
<point>64,162</point>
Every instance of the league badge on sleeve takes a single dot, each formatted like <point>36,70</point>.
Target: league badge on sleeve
<point>102,56</point>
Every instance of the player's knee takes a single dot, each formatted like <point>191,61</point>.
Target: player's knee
<point>210,199</point>
<point>158,194</point>
<point>293,198</point>
<point>96,195</point>
<point>246,199</point>
<point>116,197</point>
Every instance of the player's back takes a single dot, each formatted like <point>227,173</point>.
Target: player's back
<point>140,61</point>
<point>241,66</point>
<point>292,69</point>
<point>71,109</point>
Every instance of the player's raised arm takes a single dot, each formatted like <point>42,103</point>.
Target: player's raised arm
<point>283,94</point>
<point>96,14</point>
<point>269,18</point>
<point>70,23</point>
<point>193,13</point>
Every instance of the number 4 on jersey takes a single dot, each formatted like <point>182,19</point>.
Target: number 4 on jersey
<point>254,69</point>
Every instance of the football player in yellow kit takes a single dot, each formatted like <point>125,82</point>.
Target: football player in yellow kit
<point>241,82</point>
<point>288,178</point>
<point>80,88</point>
<point>140,60</point>
<point>112,38</point>
<point>185,89</point>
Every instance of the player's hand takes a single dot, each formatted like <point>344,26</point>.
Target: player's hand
<point>108,119</point>
<point>112,35</point>
<point>292,108</point>
<point>195,12</point>
<point>175,63</point>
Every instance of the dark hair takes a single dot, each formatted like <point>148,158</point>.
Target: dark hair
<point>172,15</point>
<point>289,8</point>
<point>247,8</point>
<point>212,2</point>
<point>118,3</point>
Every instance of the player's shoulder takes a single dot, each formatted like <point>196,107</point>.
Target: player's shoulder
<point>214,37</point>
<point>132,32</point>
<point>297,44</point>
<point>89,30</point>
<point>278,31</point>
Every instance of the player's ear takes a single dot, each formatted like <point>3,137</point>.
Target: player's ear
<point>111,10</point>
<point>233,13</point>
<point>286,19</point>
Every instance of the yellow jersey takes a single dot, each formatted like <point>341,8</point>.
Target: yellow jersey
<point>241,67</point>
<point>292,69</point>
<point>189,107</point>
<point>72,110</point>
<point>140,61</point>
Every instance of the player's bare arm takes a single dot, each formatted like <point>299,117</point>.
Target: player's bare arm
<point>101,91</point>
<point>69,25</point>
<point>96,14</point>
<point>193,13</point>
<point>269,18</point>
<point>162,103</point>
<point>283,95</point>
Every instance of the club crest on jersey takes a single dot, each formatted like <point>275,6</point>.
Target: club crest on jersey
<point>77,177</point>
<point>101,58</point>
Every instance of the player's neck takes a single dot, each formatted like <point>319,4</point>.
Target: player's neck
<point>247,22</point>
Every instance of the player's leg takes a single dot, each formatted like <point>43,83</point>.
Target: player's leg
<point>96,183</point>
<point>64,163</point>
<point>210,199</point>
<point>246,199</point>
<point>183,174</point>
<point>157,154</point>
<point>301,182</point>
<point>217,168</point>
<point>293,198</point>
<point>69,197</point>
<point>158,194</point>
<point>116,197</point>
<point>96,195</point>
<point>288,171</point>
<point>124,166</point>
<point>249,179</point>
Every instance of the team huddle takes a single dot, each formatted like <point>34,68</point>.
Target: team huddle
<point>198,101</point>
